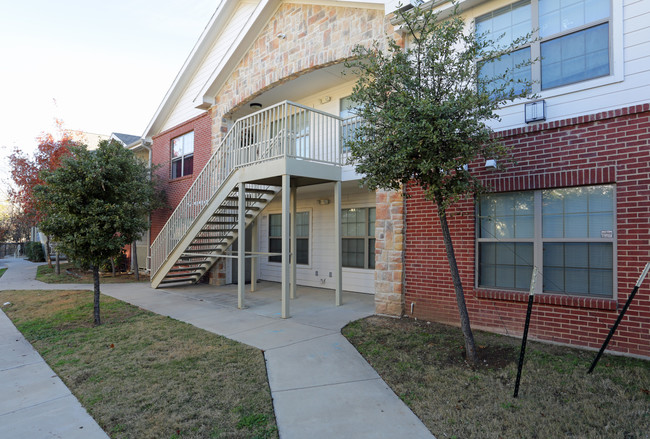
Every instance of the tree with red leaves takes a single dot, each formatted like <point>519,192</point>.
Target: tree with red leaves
<point>26,171</point>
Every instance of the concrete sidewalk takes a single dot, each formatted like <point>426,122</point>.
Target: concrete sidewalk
<point>320,384</point>
<point>35,403</point>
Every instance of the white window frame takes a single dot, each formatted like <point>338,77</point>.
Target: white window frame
<point>366,238</point>
<point>182,157</point>
<point>538,242</point>
<point>616,48</point>
<point>309,237</point>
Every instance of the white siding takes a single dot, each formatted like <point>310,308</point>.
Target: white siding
<point>321,245</point>
<point>629,85</point>
<point>184,109</point>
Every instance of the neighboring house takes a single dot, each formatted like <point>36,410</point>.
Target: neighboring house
<point>91,140</point>
<point>126,140</point>
<point>575,204</point>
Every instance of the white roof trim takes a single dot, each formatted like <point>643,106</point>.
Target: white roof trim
<point>262,13</point>
<point>265,10</point>
<point>193,61</point>
<point>255,23</point>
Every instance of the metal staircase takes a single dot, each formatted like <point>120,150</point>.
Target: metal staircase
<point>205,223</point>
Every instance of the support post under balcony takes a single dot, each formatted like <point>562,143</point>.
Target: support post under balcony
<point>255,249</point>
<point>286,191</point>
<point>338,247</point>
<point>241,247</point>
<point>294,234</point>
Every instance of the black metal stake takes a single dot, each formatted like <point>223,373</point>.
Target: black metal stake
<point>531,297</point>
<point>620,317</point>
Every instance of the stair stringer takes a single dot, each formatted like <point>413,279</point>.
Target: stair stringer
<point>198,225</point>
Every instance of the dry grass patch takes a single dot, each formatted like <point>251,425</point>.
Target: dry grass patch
<point>74,275</point>
<point>423,363</point>
<point>141,375</point>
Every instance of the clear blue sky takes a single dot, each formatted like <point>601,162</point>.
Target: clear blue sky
<point>100,66</point>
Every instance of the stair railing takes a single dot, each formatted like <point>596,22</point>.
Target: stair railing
<point>283,130</point>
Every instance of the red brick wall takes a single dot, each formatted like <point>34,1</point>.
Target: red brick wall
<point>161,156</point>
<point>610,147</point>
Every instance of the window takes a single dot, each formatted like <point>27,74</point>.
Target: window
<point>183,155</point>
<point>567,232</point>
<point>358,230</point>
<point>573,41</point>
<point>347,111</point>
<point>302,237</point>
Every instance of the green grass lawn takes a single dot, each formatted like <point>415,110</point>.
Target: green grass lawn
<point>72,275</point>
<point>424,365</point>
<point>141,375</point>
<point>2,271</point>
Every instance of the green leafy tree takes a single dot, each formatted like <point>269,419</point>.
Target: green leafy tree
<point>426,117</point>
<point>96,203</point>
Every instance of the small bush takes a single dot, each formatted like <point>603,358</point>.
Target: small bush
<point>34,251</point>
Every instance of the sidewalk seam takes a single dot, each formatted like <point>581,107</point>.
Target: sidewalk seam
<point>327,385</point>
<point>39,403</point>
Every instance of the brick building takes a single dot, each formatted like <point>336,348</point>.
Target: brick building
<point>256,118</point>
<point>575,202</point>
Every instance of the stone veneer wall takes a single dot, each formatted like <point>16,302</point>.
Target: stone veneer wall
<point>316,37</point>
<point>389,253</point>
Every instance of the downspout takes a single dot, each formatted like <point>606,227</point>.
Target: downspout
<point>146,145</point>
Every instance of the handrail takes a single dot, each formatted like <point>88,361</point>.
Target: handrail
<point>283,130</point>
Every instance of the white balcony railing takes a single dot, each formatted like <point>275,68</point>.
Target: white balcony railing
<point>285,130</point>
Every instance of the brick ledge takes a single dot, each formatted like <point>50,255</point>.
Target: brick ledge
<point>549,299</point>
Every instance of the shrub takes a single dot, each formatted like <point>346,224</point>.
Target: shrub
<point>34,251</point>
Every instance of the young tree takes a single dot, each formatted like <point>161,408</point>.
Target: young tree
<point>95,203</point>
<point>426,118</point>
<point>26,172</point>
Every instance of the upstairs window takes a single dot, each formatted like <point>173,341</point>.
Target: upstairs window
<point>183,155</point>
<point>348,112</point>
<point>573,41</point>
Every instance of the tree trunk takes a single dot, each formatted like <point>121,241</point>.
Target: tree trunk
<point>470,346</point>
<point>96,295</point>
<point>58,264</point>
<point>47,252</point>
<point>134,258</point>
<point>113,266</point>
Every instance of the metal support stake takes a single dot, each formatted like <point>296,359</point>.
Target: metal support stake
<point>620,316</point>
<point>531,297</point>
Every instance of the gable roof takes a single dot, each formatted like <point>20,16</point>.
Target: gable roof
<point>125,139</point>
<point>238,46</point>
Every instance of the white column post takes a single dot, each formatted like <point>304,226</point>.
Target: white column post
<point>286,193</point>
<point>338,247</point>
<point>254,249</point>
<point>294,253</point>
<point>241,247</point>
